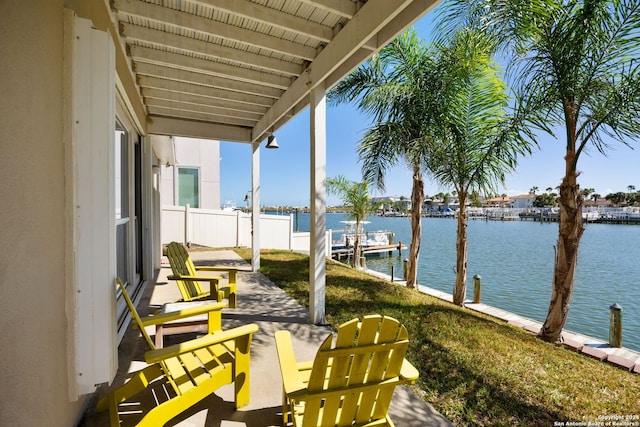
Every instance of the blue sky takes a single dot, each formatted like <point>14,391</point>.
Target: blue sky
<point>285,172</point>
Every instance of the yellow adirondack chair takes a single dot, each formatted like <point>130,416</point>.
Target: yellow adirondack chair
<point>204,317</point>
<point>350,384</point>
<point>192,369</point>
<point>185,273</point>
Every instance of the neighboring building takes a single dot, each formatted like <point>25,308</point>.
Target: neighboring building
<point>524,201</point>
<point>496,202</point>
<point>453,202</point>
<point>194,176</point>
<point>600,203</point>
<point>433,204</point>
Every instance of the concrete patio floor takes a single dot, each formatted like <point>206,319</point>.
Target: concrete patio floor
<point>261,302</point>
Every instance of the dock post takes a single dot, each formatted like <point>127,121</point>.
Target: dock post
<point>405,267</point>
<point>615,326</point>
<point>391,273</point>
<point>477,285</point>
<point>399,247</point>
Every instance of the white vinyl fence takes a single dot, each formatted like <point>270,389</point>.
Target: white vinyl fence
<point>224,229</point>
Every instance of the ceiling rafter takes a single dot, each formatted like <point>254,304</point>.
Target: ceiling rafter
<point>206,26</point>
<point>194,98</point>
<point>275,18</point>
<point>167,125</point>
<point>209,92</point>
<point>176,60</point>
<point>200,108</point>
<point>198,115</point>
<point>187,76</point>
<point>344,8</point>
<point>186,44</point>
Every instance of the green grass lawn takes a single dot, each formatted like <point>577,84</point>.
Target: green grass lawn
<point>473,369</point>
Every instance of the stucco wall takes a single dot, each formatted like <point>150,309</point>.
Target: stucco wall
<point>198,153</point>
<point>32,277</point>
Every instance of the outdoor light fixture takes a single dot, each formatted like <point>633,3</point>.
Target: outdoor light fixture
<point>272,142</point>
<point>247,199</point>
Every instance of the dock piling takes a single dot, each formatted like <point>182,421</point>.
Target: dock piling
<point>477,286</point>
<point>405,267</point>
<point>615,326</point>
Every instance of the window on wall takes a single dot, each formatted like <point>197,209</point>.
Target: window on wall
<point>188,187</point>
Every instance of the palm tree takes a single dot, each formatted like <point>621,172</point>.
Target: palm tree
<point>585,192</point>
<point>392,88</point>
<point>616,198</point>
<point>533,190</point>
<point>476,140</point>
<point>595,197</point>
<point>355,197</point>
<point>630,190</point>
<point>575,64</point>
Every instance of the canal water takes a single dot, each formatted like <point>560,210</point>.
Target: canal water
<point>515,261</point>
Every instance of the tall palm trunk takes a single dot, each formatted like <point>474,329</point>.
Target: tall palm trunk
<point>417,197</point>
<point>356,248</point>
<point>461,253</point>
<point>569,234</point>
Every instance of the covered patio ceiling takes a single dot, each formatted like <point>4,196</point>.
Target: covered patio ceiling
<point>237,70</point>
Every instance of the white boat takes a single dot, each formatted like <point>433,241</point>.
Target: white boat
<point>229,205</point>
<point>368,239</point>
<point>590,215</point>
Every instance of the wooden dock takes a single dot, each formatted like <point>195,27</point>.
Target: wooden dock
<point>369,250</point>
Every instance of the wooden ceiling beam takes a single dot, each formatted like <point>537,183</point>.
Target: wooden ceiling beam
<point>216,93</point>
<point>345,8</point>
<point>200,116</point>
<point>161,38</point>
<point>187,21</point>
<point>160,125</point>
<point>200,108</point>
<point>187,76</point>
<point>175,60</point>
<point>271,17</point>
<point>192,98</point>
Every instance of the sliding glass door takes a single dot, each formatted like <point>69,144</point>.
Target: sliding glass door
<point>128,209</point>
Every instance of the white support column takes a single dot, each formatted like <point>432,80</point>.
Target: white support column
<point>255,208</point>
<point>317,262</point>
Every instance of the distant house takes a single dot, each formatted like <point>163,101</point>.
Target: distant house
<point>600,203</point>
<point>191,174</point>
<point>524,201</point>
<point>496,202</point>
<point>437,203</point>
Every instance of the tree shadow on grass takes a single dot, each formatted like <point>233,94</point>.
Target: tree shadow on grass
<point>460,386</point>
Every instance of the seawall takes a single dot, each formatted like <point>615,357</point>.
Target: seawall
<point>623,358</point>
